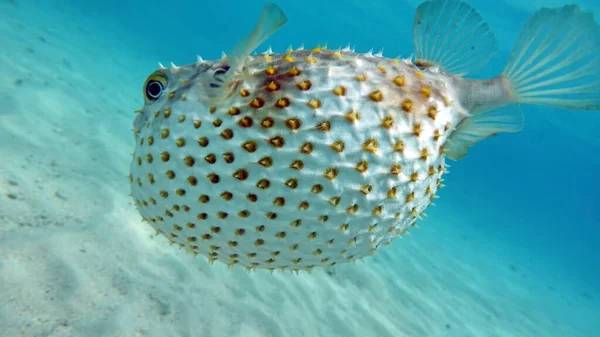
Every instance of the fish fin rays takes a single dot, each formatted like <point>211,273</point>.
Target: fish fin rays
<point>476,128</point>
<point>556,60</point>
<point>452,35</point>
<point>271,19</point>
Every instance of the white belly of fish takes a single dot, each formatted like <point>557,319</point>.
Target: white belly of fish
<point>296,178</point>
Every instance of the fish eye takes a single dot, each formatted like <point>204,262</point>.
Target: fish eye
<point>222,70</point>
<point>154,89</point>
<point>155,85</point>
<point>217,75</point>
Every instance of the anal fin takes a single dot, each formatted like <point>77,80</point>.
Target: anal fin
<point>476,128</point>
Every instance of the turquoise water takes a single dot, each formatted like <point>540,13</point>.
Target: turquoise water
<point>529,200</point>
<point>537,190</point>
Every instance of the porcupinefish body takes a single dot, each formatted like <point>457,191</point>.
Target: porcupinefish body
<point>317,157</point>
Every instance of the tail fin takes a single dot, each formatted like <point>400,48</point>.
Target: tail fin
<point>556,60</point>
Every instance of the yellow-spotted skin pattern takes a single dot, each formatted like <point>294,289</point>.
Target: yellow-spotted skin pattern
<point>314,158</point>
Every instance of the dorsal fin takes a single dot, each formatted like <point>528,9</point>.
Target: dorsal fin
<point>271,19</point>
<point>452,35</point>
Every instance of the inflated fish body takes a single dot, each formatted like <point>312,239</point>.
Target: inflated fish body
<point>316,157</point>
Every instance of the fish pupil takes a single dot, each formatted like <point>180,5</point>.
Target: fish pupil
<point>154,89</point>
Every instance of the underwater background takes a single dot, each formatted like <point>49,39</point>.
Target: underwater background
<point>511,249</point>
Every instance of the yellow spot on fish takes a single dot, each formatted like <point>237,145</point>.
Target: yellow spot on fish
<point>337,146</point>
<point>396,169</point>
<point>273,86</point>
<point>339,90</point>
<point>417,130</point>
<point>399,81</point>
<point>293,123</point>
<point>316,189</point>
<point>314,103</point>
<point>292,183</point>
<point>304,85</point>
<point>407,105</point>
<point>387,122</point>
<point>257,103</point>
<point>399,146</point>
<point>392,192</point>
<point>277,141</point>
<point>431,171</point>
<point>324,126</point>
<point>297,165</point>
<point>283,102</point>
<point>270,71</point>
<point>331,173</point>
<point>210,158</point>
<point>306,148</point>
<point>376,96</point>
<point>294,71</point>
<point>250,146</point>
<point>425,91</point>
<point>432,112</point>
<point>370,145</point>
<point>352,116</point>
<point>352,209</point>
<point>246,122</point>
<point>267,122</point>
<point>362,166</point>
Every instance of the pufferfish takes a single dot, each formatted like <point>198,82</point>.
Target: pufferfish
<point>312,158</point>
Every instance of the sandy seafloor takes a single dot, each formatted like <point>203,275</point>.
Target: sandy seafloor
<point>75,260</point>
